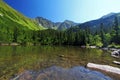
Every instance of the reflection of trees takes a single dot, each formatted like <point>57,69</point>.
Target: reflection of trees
<point>15,59</point>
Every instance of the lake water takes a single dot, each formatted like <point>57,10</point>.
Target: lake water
<point>16,59</point>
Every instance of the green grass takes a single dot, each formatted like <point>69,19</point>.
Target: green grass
<point>11,16</point>
<point>113,45</point>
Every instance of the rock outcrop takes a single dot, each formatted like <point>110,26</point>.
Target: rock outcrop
<point>116,62</point>
<point>116,53</point>
<point>106,68</point>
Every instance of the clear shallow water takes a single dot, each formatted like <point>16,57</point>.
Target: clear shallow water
<point>16,59</point>
<point>59,73</point>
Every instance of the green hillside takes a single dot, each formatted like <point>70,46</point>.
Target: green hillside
<point>11,18</point>
<point>15,27</point>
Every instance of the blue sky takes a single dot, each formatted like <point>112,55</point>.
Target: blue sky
<point>60,10</point>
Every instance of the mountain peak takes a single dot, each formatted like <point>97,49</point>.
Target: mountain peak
<point>108,15</point>
<point>68,21</point>
<point>52,25</point>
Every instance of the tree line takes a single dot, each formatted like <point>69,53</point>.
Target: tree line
<point>72,36</point>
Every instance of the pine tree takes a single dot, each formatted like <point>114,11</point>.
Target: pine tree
<point>116,30</point>
<point>116,26</point>
<point>102,34</point>
<point>15,34</point>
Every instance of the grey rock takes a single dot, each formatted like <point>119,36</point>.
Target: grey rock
<point>116,53</point>
<point>59,73</point>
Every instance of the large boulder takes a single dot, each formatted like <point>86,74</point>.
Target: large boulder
<point>106,68</point>
<point>116,53</point>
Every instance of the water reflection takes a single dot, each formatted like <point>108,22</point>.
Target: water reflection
<point>16,59</point>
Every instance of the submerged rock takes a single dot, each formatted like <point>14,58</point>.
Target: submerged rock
<point>105,48</point>
<point>58,73</point>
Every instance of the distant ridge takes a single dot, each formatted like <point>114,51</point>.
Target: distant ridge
<point>52,25</point>
<point>107,20</point>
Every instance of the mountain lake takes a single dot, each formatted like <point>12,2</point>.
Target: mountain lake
<point>15,60</point>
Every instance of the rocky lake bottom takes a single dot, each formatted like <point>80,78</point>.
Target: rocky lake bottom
<point>54,63</point>
<point>59,73</point>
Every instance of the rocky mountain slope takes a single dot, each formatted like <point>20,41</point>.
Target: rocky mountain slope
<point>107,20</point>
<point>52,25</point>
